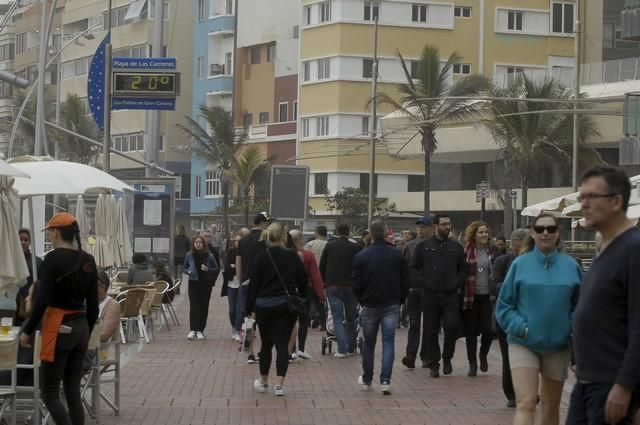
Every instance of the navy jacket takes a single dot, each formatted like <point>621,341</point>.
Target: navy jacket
<point>380,276</point>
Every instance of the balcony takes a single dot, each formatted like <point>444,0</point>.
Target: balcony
<point>216,69</point>
<point>631,20</point>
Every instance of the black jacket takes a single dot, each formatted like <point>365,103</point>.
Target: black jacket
<point>337,261</point>
<point>264,281</point>
<point>380,276</point>
<point>500,268</point>
<point>442,263</point>
<point>415,278</point>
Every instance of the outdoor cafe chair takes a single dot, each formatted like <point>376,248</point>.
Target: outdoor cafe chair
<point>9,361</point>
<point>29,403</point>
<point>91,377</point>
<point>131,302</point>
<point>167,303</point>
<point>146,310</point>
<point>157,304</point>
<point>110,371</point>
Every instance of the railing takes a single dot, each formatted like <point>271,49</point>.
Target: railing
<point>612,71</point>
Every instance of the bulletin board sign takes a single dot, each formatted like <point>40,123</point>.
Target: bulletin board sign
<point>153,218</point>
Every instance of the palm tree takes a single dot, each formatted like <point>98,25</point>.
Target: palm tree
<point>244,172</point>
<point>529,134</point>
<point>426,99</point>
<point>26,132</point>
<point>74,118</point>
<point>216,146</point>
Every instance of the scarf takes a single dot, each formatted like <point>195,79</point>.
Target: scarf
<point>470,285</point>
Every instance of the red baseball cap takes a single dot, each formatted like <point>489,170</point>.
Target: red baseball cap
<point>61,219</point>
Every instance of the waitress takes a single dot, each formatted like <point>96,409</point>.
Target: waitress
<point>67,304</point>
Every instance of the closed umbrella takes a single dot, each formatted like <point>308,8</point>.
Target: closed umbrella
<point>81,216</point>
<point>112,229</point>
<point>102,251</point>
<point>124,242</point>
<point>13,266</point>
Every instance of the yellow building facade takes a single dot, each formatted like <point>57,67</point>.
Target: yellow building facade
<point>498,38</point>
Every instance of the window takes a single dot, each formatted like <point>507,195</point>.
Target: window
<point>514,20</point>
<point>562,18</point>
<point>7,52</point>
<point>255,55</point>
<point>365,126</point>
<point>264,117</point>
<point>21,43</point>
<point>201,10</point>
<point>307,15</point>
<point>198,188</point>
<point>462,12</point>
<point>325,11</point>
<point>364,183</point>
<point>367,68</point>
<point>228,9</point>
<point>6,90</point>
<point>117,16</point>
<point>414,69</point>
<point>322,126</point>
<point>139,51</point>
<point>296,32</point>
<point>295,111</point>
<point>415,184</point>
<point>271,52</point>
<point>461,68</point>
<point>161,143</point>
<point>419,13</point>
<point>306,71</point>
<point>513,72</point>
<point>212,183</point>
<point>165,10</point>
<point>321,185</point>
<point>371,10</point>
<point>305,127</point>
<point>201,68</point>
<point>283,111</point>
<point>247,119</point>
<point>185,187</point>
<point>324,69</point>
<point>228,63</point>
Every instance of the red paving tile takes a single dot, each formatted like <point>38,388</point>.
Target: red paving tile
<point>173,381</point>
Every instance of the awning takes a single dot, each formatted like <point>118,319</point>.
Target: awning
<point>135,10</point>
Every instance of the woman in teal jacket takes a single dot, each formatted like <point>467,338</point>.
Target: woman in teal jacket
<point>534,308</point>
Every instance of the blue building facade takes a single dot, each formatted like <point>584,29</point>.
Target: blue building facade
<point>212,85</point>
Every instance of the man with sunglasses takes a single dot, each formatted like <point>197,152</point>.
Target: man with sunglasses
<point>443,269</point>
<point>606,324</point>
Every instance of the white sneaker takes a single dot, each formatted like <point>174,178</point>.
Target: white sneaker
<point>303,355</point>
<point>199,335</point>
<point>260,387</point>
<point>191,335</point>
<point>386,388</point>
<point>235,336</point>
<point>366,387</point>
<point>340,355</point>
<point>278,390</point>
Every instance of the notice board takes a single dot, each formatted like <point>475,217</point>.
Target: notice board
<point>289,192</point>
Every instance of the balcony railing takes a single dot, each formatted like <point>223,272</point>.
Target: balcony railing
<point>612,71</point>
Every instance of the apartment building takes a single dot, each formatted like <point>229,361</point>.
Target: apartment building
<point>264,86</point>
<point>497,38</point>
<point>212,78</point>
<point>19,54</point>
<point>132,32</point>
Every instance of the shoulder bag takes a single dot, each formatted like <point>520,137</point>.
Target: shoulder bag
<point>296,304</point>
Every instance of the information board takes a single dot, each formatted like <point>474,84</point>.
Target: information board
<point>289,192</point>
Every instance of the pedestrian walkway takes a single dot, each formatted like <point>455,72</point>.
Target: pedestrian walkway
<point>174,381</point>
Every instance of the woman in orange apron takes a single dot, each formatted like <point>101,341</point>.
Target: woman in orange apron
<point>67,304</point>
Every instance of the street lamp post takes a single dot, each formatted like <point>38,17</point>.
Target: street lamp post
<point>106,147</point>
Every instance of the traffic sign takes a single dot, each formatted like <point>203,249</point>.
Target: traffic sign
<point>482,191</point>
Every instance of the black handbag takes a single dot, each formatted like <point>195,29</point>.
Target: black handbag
<point>295,303</point>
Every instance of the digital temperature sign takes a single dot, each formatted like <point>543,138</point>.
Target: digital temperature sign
<point>143,84</point>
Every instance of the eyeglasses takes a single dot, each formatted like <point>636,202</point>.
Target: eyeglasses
<point>591,196</point>
<point>541,229</point>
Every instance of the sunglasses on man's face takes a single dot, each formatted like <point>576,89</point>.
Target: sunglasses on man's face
<point>541,229</point>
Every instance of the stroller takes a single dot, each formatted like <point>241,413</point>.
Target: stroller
<point>329,338</point>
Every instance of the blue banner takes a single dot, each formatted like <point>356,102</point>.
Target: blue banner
<point>95,83</point>
<point>158,104</point>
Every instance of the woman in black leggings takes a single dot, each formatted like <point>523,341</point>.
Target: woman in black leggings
<point>67,304</point>
<point>267,298</point>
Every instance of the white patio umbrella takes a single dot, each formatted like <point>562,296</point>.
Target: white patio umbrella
<point>633,213</point>
<point>51,177</point>
<point>112,229</point>
<point>123,237</point>
<point>102,250</point>
<point>9,170</point>
<point>13,266</point>
<point>81,216</point>
<point>554,206</point>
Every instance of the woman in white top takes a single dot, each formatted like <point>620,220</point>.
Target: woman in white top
<point>108,309</point>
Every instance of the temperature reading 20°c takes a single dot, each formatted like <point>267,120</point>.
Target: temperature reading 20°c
<point>141,84</point>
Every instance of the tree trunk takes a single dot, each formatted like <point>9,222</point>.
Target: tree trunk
<point>225,205</point>
<point>246,205</point>
<point>508,221</point>
<point>427,143</point>
<point>525,197</point>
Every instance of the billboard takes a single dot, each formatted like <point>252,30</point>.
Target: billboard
<point>289,192</point>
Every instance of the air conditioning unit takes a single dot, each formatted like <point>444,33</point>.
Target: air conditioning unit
<point>216,69</point>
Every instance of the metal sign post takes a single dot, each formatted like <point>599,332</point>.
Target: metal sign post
<point>482,193</point>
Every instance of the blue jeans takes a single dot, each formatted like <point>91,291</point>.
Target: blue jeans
<point>343,309</point>
<point>373,319</point>
<point>235,308</point>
